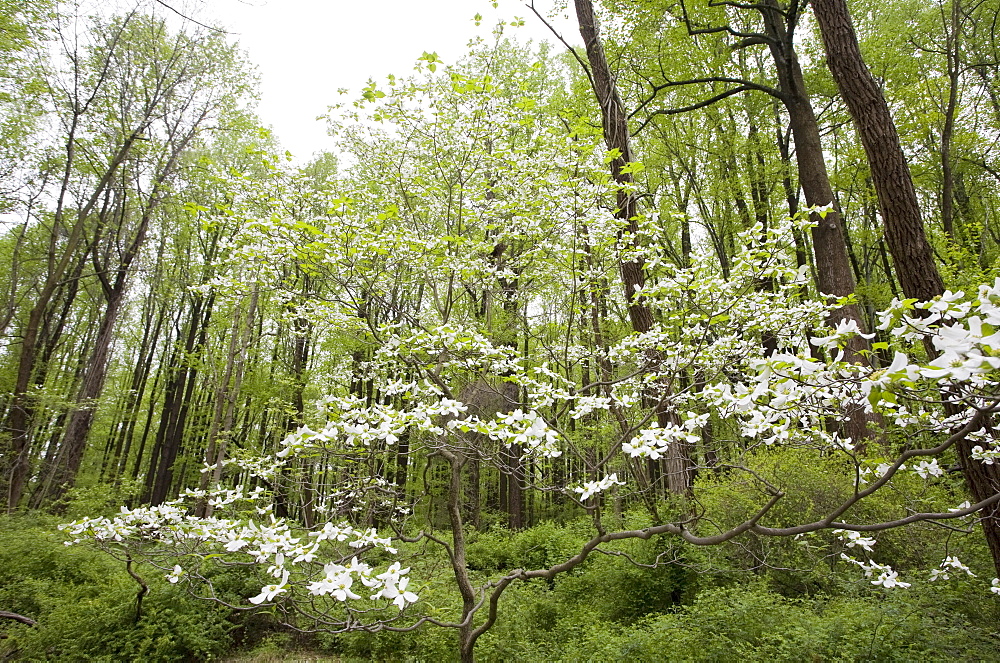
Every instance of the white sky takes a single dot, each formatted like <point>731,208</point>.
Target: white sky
<point>307,49</point>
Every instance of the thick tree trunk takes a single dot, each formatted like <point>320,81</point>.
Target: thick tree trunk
<point>984,482</point>
<point>616,137</point>
<point>904,228</point>
<point>833,266</point>
<point>834,273</point>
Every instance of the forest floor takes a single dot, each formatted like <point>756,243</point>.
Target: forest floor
<point>303,656</point>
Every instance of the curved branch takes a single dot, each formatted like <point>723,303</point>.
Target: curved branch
<point>686,109</point>
<point>143,588</point>
<point>921,517</point>
<point>18,618</point>
<point>725,29</point>
<point>162,3</point>
<point>742,83</point>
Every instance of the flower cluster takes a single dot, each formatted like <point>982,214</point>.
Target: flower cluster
<point>338,580</point>
<point>654,441</point>
<point>950,562</point>
<point>591,488</point>
<point>852,539</point>
<point>526,429</point>
<point>148,533</point>
<point>886,576</point>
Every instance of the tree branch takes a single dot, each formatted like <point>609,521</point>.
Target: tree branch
<point>18,618</point>
<point>545,22</point>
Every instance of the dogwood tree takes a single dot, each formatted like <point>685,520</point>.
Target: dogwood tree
<point>470,248</point>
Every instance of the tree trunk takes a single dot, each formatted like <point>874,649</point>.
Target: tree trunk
<point>136,392</point>
<point>58,263</point>
<point>918,274</point>
<point>953,31</point>
<point>616,137</point>
<point>904,228</point>
<point>833,266</point>
<point>176,403</point>
<point>62,472</point>
<point>680,469</point>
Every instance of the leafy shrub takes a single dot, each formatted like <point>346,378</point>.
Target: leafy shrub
<point>750,622</point>
<point>85,604</point>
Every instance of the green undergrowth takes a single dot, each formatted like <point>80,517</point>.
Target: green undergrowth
<point>84,604</point>
<point>755,598</point>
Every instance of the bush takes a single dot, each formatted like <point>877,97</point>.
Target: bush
<point>85,604</point>
<point>755,624</point>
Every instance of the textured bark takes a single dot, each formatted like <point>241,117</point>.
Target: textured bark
<point>833,267</point>
<point>616,137</point>
<point>834,273</point>
<point>904,228</point>
<point>918,274</point>
<point>984,482</point>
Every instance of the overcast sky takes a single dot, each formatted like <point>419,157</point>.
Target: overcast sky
<point>307,49</point>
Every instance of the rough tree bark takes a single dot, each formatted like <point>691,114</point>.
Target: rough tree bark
<point>833,266</point>
<point>904,227</point>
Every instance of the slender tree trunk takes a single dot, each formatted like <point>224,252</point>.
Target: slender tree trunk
<point>680,469</point>
<point>177,401</point>
<point>20,412</point>
<point>456,462</point>
<point>227,395</point>
<point>62,473</point>
<point>952,28</point>
<point>137,391</point>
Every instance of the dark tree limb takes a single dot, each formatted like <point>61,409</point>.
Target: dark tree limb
<point>685,109</point>
<point>557,35</point>
<point>143,588</point>
<point>743,84</point>
<point>18,618</point>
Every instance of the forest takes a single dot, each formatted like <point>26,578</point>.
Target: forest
<point>681,344</point>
